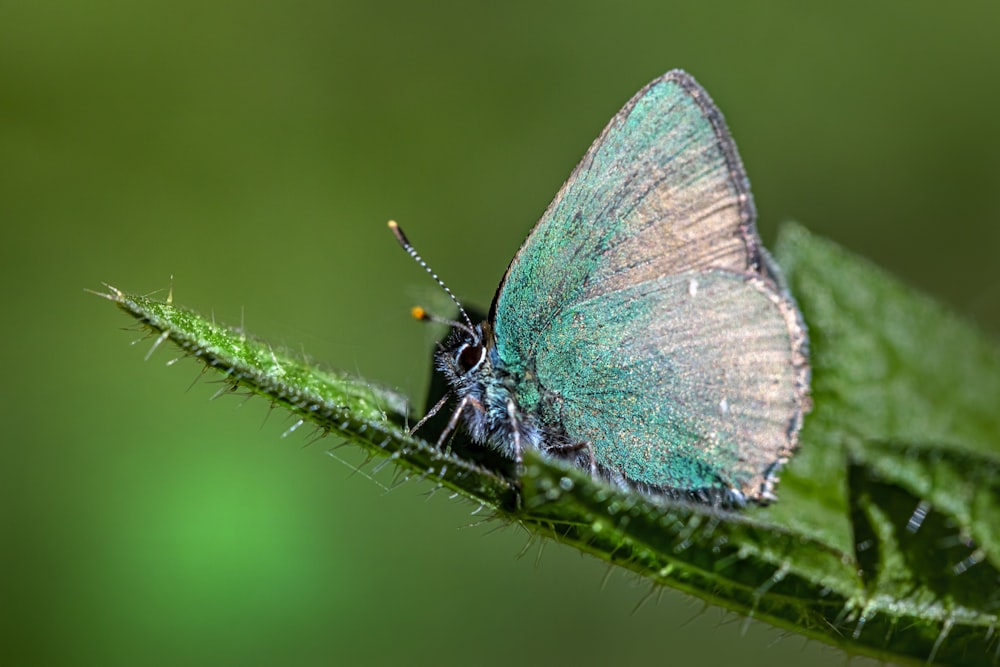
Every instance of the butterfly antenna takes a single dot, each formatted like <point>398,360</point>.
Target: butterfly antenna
<point>419,313</point>
<point>412,252</point>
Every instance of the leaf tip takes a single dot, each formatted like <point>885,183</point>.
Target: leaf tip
<point>113,293</point>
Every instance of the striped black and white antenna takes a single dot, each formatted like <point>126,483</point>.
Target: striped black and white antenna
<point>419,312</point>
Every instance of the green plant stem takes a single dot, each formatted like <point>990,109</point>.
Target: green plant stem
<point>886,537</point>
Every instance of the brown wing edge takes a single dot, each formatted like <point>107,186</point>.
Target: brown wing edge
<point>761,488</point>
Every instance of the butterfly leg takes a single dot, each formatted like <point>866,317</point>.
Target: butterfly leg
<point>584,455</point>
<point>456,415</point>
<point>433,411</point>
<point>516,433</point>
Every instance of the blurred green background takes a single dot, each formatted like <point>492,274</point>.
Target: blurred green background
<point>254,151</point>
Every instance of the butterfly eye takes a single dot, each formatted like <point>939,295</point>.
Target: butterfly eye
<point>469,357</point>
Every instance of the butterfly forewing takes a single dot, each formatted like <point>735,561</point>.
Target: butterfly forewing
<point>661,191</point>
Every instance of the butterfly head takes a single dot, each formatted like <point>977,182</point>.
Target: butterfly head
<point>467,361</point>
<point>465,357</point>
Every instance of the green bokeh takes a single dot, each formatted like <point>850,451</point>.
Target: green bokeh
<point>253,151</point>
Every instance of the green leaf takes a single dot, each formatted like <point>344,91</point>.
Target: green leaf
<point>886,537</point>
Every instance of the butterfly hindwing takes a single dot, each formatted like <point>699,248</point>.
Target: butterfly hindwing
<point>679,382</point>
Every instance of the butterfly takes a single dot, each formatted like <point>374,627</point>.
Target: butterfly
<point>642,331</point>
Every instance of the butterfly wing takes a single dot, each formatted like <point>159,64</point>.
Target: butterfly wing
<point>679,382</point>
<point>660,199</point>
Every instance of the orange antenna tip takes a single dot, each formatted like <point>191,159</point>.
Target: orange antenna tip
<point>419,313</point>
<point>401,238</point>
